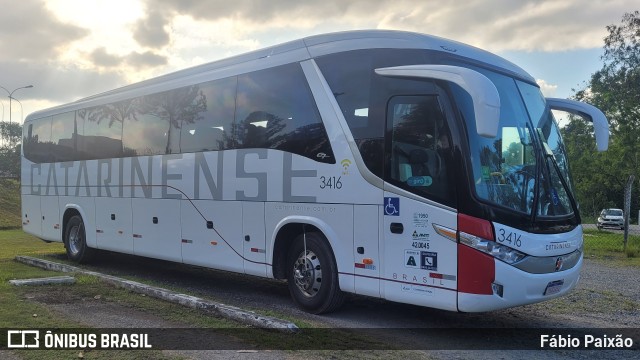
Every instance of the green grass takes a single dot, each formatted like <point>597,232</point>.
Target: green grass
<point>10,217</point>
<point>16,311</point>
<point>607,245</point>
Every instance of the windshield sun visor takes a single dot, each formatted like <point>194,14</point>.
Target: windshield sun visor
<point>486,100</point>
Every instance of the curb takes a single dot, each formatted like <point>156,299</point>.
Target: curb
<point>226,311</point>
<point>44,281</point>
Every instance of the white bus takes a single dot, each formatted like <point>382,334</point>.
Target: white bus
<point>387,164</point>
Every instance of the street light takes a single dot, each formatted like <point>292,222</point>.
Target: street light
<point>10,98</point>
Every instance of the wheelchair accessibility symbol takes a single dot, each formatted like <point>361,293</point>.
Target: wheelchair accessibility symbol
<point>392,206</point>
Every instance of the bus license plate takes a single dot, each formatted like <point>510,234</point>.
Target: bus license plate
<point>553,287</point>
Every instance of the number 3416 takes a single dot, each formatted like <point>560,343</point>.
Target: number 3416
<point>331,182</point>
<point>509,237</point>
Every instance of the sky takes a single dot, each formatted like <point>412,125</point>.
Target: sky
<point>70,49</point>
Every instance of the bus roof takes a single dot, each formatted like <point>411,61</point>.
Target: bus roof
<point>296,50</point>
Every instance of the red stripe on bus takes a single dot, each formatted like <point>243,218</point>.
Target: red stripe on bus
<point>475,226</point>
<point>476,271</point>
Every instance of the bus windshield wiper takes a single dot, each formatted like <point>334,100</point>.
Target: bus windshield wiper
<point>549,155</point>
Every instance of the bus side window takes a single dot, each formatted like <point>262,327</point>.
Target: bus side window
<point>37,146</point>
<point>419,146</point>
<point>102,133</point>
<point>64,136</point>
<point>211,128</point>
<point>275,110</point>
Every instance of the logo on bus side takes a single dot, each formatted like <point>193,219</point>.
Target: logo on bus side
<point>176,176</point>
<point>429,260</point>
<point>412,259</point>
<point>392,206</point>
<point>345,166</point>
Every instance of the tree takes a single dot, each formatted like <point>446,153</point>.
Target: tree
<point>11,133</point>
<point>615,89</point>
<point>10,152</point>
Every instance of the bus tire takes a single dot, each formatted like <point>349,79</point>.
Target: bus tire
<point>75,241</point>
<point>313,279</point>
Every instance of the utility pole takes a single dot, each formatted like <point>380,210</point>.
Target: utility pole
<point>10,93</point>
<point>627,208</point>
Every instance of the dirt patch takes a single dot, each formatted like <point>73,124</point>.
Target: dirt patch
<point>53,295</point>
<point>93,309</point>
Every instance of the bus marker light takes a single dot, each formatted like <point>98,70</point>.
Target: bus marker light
<point>445,232</point>
<point>367,261</point>
<point>214,243</point>
<point>364,266</point>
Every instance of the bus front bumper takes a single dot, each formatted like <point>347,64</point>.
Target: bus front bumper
<point>514,287</point>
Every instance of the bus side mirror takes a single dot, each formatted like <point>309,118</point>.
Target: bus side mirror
<point>589,112</point>
<point>486,100</point>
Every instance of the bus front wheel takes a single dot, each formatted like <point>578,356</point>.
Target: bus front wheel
<point>312,274</point>
<point>75,241</point>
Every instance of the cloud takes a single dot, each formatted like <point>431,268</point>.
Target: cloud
<point>31,32</point>
<point>101,58</point>
<point>55,83</point>
<point>73,48</point>
<point>548,90</point>
<point>152,30</point>
<point>493,24</point>
<point>146,59</point>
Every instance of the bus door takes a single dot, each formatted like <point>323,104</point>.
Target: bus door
<point>420,260</point>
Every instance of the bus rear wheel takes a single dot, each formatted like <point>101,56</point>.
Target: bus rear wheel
<point>312,275</point>
<point>75,241</point>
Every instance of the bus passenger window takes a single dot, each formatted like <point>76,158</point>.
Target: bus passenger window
<point>275,110</point>
<point>65,129</point>
<point>211,128</point>
<point>37,143</point>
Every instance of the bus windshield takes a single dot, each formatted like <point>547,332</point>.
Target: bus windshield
<point>554,194</point>
<point>506,169</point>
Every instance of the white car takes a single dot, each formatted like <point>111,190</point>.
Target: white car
<point>611,218</point>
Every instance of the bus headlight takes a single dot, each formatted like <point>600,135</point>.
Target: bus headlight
<point>498,251</point>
